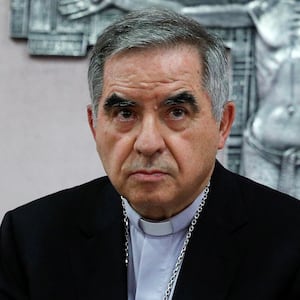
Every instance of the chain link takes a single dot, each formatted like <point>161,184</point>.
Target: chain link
<point>181,255</point>
<point>126,224</point>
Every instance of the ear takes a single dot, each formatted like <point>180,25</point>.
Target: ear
<point>91,120</point>
<point>226,123</point>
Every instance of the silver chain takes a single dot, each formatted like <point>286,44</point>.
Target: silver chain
<point>184,247</point>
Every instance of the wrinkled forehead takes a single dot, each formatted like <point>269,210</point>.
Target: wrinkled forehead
<point>157,48</point>
<point>158,62</point>
<point>153,73</point>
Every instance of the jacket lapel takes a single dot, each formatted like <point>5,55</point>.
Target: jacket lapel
<point>213,253</point>
<point>98,257</point>
<point>210,263</point>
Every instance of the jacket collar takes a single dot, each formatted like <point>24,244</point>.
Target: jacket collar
<point>210,262</point>
<point>213,255</point>
<point>98,257</point>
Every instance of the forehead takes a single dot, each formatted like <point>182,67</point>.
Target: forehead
<point>179,55</point>
<point>176,67</point>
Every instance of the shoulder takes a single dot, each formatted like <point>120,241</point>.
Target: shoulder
<point>260,194</point>
<point>262,219</point>
<point>63,208</point>
<point>248,187</point>
<point>69,196</point>
<point>258,200</point>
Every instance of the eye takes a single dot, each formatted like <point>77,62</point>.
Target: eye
<point>125,115</point>
<point>177,113</point>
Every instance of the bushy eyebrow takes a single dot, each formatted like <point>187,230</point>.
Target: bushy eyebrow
<point>117,101</point>
<point>182,98</point>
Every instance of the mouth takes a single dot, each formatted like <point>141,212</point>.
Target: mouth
<point>148,175</point>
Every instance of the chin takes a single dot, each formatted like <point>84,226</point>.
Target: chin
<point>154,207</point>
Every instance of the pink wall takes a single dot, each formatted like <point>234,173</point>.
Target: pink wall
<point>45,143</point>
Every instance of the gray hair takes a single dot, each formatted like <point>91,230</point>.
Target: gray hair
<point>161,28</point>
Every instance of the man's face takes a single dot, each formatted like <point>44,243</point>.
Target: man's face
<point>155,132</point>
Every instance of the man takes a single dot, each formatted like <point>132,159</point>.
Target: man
<point>169,222</point>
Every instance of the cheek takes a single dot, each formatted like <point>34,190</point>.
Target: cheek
<point>113,149</point>
<point>194,147</point>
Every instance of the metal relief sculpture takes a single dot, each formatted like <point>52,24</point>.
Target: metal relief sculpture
<point>263,44</point>
<point>271,143</point>
<point>75,9</point>
<point>68,27</point>
<point>272,139</point>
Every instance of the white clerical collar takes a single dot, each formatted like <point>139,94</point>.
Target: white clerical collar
<point>162,228</point>
<point>156,228</point>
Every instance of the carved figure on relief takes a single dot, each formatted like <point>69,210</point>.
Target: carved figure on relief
<point>75,9</point>
<point>271,150</point>
<point>272,138</point>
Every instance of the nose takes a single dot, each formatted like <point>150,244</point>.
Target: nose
<point>149,140</point>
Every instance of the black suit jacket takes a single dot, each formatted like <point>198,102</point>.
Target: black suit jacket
<point>70,245</point>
